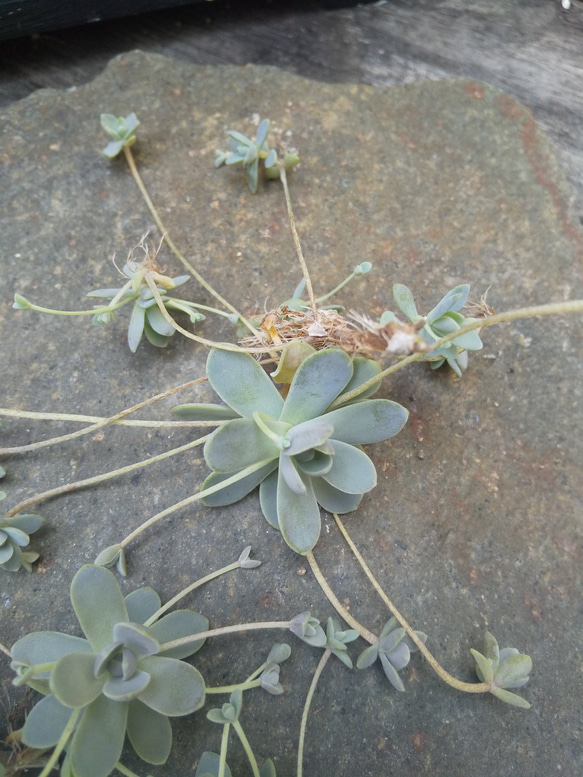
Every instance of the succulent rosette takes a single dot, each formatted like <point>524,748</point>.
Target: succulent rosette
<point>299,451</point>
<point>117,679</point>
<point>14,536</point>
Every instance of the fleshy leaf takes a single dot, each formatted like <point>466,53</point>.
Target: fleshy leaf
<point>510,698</point>
<point>268,499</point>
<point>238,444</point>
<point>204,412</point>
<point>177,624</point>
<point>119,690</point>
<point>367,422</point>
<point>141,604</point>
<point>209,764</point>
<point>332,499</point>
<point>363,370</point>
<point>136,327</point>
<point>72,680</point>
<point>352,470</point>
<point>368,656</point>
<point>454,300</point>
<point>98,604</point>
<point>391,673</point>
<point>98,741</point>
<point>176,688</point>
<point>149,732</point>
<point>242,384</point>
<point>298,515</point>
<point>45,723</point>
<point>317,382</point>
<point>483,667</point>
<point>237,490</point>
<point>405,301</point>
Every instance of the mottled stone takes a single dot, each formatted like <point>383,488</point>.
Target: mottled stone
<point>476,521</point>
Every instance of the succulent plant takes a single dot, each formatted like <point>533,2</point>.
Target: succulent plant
<point>121,130</point>
<point>394,649</point>
<point>337,639</point>
<point>506,668</point>
<point>442,320</point>
<point>306,454</point>
<point>14,535</point>
<point>248,152</point>
<point>146,317</point>
<point>117,678</point>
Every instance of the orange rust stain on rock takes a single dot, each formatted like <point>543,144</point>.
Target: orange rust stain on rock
<point>418,740</point>
<point>474,90</point>
<point>537,157</point>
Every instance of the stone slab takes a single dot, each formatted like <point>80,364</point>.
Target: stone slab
<point>476,521</point>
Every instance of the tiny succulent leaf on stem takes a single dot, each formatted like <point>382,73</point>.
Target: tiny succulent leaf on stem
<point>503,669</point>
<point>14,536</point>
<point>393,649</point>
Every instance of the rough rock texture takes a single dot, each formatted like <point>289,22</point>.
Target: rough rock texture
<point>476,521</point>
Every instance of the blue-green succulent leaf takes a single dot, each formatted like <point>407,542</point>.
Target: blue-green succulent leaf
<point>42,647</point>
<point>73,682</point>
<point>308,435</point>
<point>268,499</point>
<point>252,175</point>
<point>204,412</point>
<point>136,327</point>
<point>405,302</point>
<point>291,475</point>
<point>158,322</point>
<point>238,444</point>
<point>98,741</point>
<point>299,516</point>
<point>141,604</point>
<point>262,131</point>
<point>155,339</point>
<point>149,732</point>
<point>362,370</point>
<point>352,470</point>
<point>316,465</point>
<point>400,656</point>
<point>120,690</point>
<point>454,300</point>
<point>176,688</point>
<point>484,668</point>
<point>235,491</point>
<point>317,382</point>
<point>271,158</point>
<point>177,624</point>
<point>510,698</point>
<point>391,673</point>
<point>45,723</point>
<point>332,499</point>
<point>242,384</point>
<point>98,604</point>
<point>27,522</point>
<point>209,764</point>
<point>368,656</point>
<point>366,422</point>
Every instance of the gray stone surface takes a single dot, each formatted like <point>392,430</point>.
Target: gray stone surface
<point>476,521</point>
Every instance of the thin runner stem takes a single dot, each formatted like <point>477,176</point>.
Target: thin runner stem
<point>319,669</point>
<point>433,662</point>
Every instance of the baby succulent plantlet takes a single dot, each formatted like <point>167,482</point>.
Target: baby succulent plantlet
<point>506,668</point>
<point>146,317</point>
<point>394,650</point>
<point>14,536</point>
<point>116,680</point>
<point>309,452</point>
<point>337,639</point>
<point>121,130</point>
<point>246,152</point>
<point>442,320</point>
